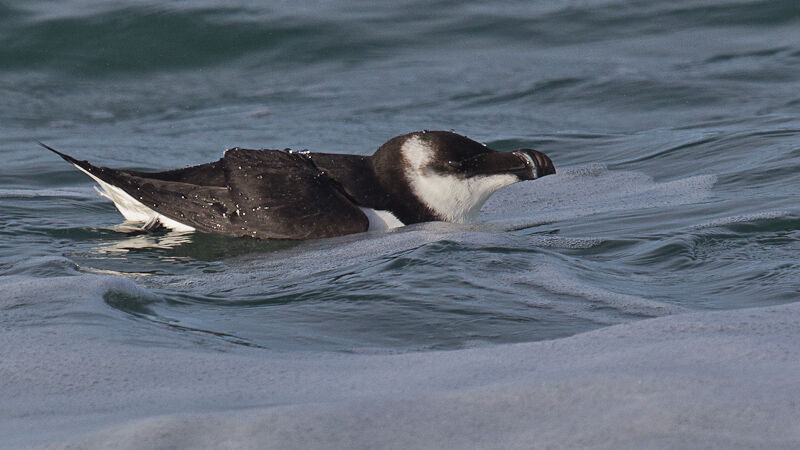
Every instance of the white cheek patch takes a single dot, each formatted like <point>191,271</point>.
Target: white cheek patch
<point>453,198</point>
<point>456,199</point>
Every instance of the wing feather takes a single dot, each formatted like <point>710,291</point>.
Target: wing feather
<point>288,195</point>
<point>266,194</point>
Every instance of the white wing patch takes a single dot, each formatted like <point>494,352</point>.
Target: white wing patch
<point>132,209</point>
<point>455,199</point>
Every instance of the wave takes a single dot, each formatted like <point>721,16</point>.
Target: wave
<point>588,190</point>
<point>28,301</point>
<point>562,288</point>
<point>640,384</point>
<point>763,216</point>
<point>138,39</point>
<point>151,36</point>
<point>45,193</point>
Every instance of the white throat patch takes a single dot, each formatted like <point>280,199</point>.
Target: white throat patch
<point>455,199</point>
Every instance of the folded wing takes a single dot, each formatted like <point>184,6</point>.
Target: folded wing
<point>285,195</point>
<point>266,194</point>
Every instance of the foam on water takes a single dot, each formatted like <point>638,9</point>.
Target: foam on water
<point>75,293</point>
<point>546,309</point>
<point>315,257</point>
<point>588,190</point>
<point>241,299</point>
<point>633,385</point>
<point>574,193</point>
<point>556,281</point>
<point>744,218</point>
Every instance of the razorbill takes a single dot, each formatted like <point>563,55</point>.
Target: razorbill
<point>281,194</point>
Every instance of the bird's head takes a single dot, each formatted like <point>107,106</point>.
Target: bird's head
<point>452,176</point>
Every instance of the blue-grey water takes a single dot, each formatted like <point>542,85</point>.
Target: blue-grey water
<point>675,128</point>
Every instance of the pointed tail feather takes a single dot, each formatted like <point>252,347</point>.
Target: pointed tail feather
<point>122,188</point>
<point>78,163</point>
<point>66,157</point>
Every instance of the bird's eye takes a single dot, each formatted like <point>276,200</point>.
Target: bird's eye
<point>454,164</point>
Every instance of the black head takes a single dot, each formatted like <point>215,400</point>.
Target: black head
<point>447,176</point>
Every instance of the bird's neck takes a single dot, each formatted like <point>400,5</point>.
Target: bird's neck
<point>359,179</point>
<point>355,175</point>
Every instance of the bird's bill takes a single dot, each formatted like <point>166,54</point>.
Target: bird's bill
<point>527,164</point>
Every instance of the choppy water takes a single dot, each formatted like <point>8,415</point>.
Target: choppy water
<point>674,127</point>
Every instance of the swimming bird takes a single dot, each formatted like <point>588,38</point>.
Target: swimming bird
<point>281,194</point>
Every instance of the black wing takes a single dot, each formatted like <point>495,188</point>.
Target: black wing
<point>266,194</point>
<point>282,194</point>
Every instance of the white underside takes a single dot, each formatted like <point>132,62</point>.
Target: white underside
<point>132,209</point>
<point>380,220</point>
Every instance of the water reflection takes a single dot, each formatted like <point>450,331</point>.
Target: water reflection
<point>130,238</point>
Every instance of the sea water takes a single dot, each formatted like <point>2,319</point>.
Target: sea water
<point>673,126</point>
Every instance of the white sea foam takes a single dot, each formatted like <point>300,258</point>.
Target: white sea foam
<point>79,373</point>
<point>743,218</point>
<point>716,380</point>
<point>72,291</point>
<point>556,281</point>
<point>586,190</point>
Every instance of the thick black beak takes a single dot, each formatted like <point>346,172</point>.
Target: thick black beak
<point>539,163</point>
<point>527,164</point>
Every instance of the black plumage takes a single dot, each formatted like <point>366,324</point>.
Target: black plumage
<point>266,194</point>
<point>280,194</point>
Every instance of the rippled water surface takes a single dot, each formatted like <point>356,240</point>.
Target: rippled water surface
<point>674,127</point>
